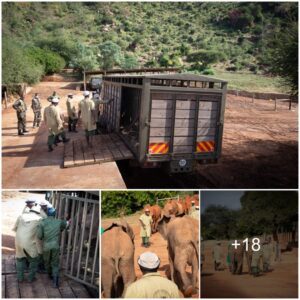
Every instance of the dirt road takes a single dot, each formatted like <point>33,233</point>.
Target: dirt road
<point>282,282</point>
<point>26,163</point>
<point>158,246</point>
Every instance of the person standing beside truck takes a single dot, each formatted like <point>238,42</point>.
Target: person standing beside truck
<point>72,109</point>
<point>37,110</point>
<point>87,114</point>
<point>20,107</point>
<point>49,231</point>
<point>54,123</point>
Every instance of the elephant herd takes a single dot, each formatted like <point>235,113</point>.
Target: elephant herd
<point>179,230</point>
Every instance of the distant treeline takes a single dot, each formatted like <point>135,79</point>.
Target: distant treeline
<point>195,36</point>
<point>261,212</point>
<point>115,203</point>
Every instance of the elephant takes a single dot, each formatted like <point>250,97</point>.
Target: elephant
<point>170,208</point>
<point>117,259</point>
<point>182,235</point>
<point>236,257</point>
<point>188,202</point>
<point>155,212</point>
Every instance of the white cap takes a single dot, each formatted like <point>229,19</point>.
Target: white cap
<point>43,203</point>
<point>86,93</point>
<point>96,96</point>
<point>55,100</point>
<point>149,260</point>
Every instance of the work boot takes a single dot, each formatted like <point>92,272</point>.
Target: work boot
<point>50,149</point>
<point>20,132</point>
<point>55,281</point>
<point>25,130</point>
<point>65,140</point>
<point>265,268</point>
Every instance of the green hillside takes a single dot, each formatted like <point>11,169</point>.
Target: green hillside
<point>196,36</point>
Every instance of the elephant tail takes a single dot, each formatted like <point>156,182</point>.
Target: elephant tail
<point>117,260</point>
<point>196,249</point>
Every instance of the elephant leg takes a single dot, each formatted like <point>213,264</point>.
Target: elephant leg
<point>179,265</point>
<point>127,272</point>
<point>240,266</point>
<point>107,280</point>
<point>195,272</point>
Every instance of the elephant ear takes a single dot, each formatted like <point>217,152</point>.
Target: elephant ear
<point>127,228</point>
<point>162,225</point>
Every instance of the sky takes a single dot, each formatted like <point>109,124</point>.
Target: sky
<point>230,199</point>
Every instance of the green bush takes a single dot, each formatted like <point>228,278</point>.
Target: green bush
<point>17,66</point>
<point>208,72</point>
<point>129,62</point>
<point>51,61</point>
<point>205,57</point>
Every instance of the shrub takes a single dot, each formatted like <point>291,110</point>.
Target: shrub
<point>208,72</point>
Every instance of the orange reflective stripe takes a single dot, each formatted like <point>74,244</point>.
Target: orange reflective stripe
<point>158,148</point>
<point>205,146</point>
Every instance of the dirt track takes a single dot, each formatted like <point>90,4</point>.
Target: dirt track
<point>282,282</point>
<point>158,246</point>
<point>260,150</point>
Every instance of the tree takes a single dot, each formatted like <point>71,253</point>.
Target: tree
<point>17,66</point>
<point>84,60</point>
<point>129,62</point>
<point>111,55</point>
<point>266,212</point>
<point>284,56</point>
<point>219,222</point>
<point>51,61</point>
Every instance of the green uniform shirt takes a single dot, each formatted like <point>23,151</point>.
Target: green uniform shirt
<point>49,230</point>
<point>147,220</point>
<point>152,285</point>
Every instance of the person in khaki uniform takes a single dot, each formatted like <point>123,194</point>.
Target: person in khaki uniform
<point>21,108</point>
<point>72,108</point>
<point>26,243</point>
<point>87,113</point>
<point>145,221</point>
<point>37,110</point>
<point>217,256</point>
<point>152,284</point>
<point>267,250</point>
<point>195,213</point>
<point>97,101</point>
<point>54,123</point>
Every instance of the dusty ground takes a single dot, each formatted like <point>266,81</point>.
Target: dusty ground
<point>260,150</point>
<point>26,162</point>
<point>158,246</point>
<point>282,282</point>
<point>12,205</point>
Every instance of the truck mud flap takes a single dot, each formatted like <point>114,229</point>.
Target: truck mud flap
<point>105,148</point>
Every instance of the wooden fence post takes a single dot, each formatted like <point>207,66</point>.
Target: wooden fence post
<point>252,97</point>
<point>275,104</point>
<point>5,99</point>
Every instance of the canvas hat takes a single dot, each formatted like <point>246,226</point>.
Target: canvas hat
<point>55,100</point>
<point>86,93</point>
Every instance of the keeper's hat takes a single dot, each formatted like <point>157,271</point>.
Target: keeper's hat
<point>149,260</point>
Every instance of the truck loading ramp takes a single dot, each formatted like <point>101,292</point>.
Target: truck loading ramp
<point>104,148</point>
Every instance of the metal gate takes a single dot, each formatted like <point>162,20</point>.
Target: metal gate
<point>79,246</point>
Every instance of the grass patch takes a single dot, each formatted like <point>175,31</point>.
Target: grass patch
<point>251,82</point>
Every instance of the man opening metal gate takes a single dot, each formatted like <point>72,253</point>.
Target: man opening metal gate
<point>80,243</point>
